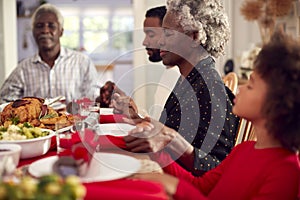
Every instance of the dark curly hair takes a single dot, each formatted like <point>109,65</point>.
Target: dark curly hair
<point>278,63</point>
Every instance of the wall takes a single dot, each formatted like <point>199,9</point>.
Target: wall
<point>2,70</point>
<point>143,92</point>
<point>245,34</point>
<point>8,43</point>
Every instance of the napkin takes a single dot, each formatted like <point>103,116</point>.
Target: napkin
<point>115,118</point>
<point>103,141</point>
<point>84,99</point>
<point>92,140</point>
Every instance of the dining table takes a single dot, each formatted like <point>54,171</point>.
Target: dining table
<point>121,188</point>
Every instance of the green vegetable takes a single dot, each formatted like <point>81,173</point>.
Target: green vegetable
<point>15,120</point>
<point>49,187</point>
<point>3,129</point>
<point>27,125</point>
<point>26,129</point>
<point>49,116</point>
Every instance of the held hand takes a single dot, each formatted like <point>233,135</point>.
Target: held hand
<point>149,136</point>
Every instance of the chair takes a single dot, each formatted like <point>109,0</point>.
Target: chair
<point>231,81</point>
<point>245,132</point>
<point>245,129</point>
<point>229,66</point>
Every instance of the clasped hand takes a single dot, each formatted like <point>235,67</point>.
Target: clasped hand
<point>149,136</point>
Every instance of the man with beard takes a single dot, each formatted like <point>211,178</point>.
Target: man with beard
<point>153,32</point>
<point>54,70</point>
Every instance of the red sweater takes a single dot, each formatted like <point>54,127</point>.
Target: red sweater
<point>247,173</point>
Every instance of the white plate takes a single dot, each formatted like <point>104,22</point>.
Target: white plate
<point>2,106</point>
<point>114,129</point>
<point>103,167</point>
<point>106,111</point>
<point>58,98</point>
<point>64,129</point>
<point>58,106</point>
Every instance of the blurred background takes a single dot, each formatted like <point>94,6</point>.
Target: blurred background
<point>110,32</point>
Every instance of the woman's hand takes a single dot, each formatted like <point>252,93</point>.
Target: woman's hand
<point>149,136</point>
<point>153,136</point>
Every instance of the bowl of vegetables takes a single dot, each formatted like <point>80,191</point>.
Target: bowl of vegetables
<point>34,141</point>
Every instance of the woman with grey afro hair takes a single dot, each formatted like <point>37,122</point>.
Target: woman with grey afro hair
<point>197,127</point>
<point>208,18</point>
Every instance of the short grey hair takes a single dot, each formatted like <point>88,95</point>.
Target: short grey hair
<point>208,18</point>
<point>48,8</point>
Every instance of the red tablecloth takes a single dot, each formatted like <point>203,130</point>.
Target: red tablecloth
<point>116,118</point>
<point>125,188</point>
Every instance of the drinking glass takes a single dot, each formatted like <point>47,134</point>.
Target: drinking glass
<point>63,136</point>
<point>85,108</point>
<point>90,111</point>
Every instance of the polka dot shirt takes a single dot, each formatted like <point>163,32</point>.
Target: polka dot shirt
<point>200,109</point>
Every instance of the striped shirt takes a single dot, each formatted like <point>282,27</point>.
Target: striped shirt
<point>73,76</point>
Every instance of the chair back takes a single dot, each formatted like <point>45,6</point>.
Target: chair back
<point>231,81</point>
<point>245,132</point>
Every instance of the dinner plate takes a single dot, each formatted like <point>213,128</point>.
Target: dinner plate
<point>2,106</point>
<point>65,129</point>
<point>114,129</point>
<point>54,99</point>
<point>58,106</point>
<point>103,167</point>
<point>106,111</point>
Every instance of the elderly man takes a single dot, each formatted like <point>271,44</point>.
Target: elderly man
<point>54,70</point>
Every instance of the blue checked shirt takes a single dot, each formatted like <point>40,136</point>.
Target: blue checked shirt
<point>73,76</point>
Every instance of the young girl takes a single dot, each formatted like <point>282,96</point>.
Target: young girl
<point>268,168</point>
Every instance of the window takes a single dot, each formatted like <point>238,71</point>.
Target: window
<point>98,30</point>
